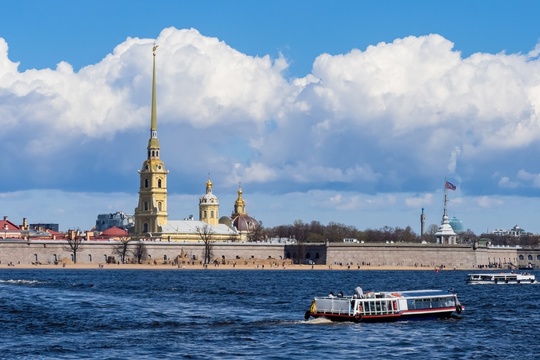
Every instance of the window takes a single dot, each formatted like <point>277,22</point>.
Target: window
<point>145,227</point>
<point>530,257</point>
<point>159,205</point>
<point>159,183</point>
<point>146,183</point>
<point>212,214</point>
<point>521,257</point>
<point>146,206</point>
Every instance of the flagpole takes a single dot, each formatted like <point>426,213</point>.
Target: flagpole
<point>445,199</point>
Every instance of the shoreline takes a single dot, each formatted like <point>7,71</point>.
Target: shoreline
<point>212,267</point>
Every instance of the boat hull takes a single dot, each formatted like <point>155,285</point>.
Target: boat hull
<point>386,306</point>
<point>385,318</point>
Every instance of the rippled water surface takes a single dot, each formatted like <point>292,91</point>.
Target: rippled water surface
<point>205,314</point>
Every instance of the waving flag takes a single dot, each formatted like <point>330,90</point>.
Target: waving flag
<point>450,186</point>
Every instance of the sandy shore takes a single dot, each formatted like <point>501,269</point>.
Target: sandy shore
<point>212,267</point>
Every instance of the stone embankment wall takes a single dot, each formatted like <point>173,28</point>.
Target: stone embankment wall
<point>49,252</point>
<point>419,255</point>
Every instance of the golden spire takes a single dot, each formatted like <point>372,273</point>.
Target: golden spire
<point>208,185</point>
<point>153,143</point>
<point>239,204</point>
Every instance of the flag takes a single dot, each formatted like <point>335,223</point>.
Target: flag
<point>450,186</point>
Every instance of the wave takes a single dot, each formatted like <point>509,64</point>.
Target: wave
<point>22,282</point>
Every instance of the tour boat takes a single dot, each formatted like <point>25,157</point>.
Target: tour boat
<point>501,278</point>
<point>386,306</point>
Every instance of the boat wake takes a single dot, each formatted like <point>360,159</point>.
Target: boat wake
<point>320,320</point>
<point>22,282</point>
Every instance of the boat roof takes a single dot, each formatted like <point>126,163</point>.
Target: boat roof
<point>498,274</point>
<point>422,293</point>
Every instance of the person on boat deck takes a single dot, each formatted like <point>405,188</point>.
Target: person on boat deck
<point>340,294</point>
<point>359,291</point>
<point>331,295</point>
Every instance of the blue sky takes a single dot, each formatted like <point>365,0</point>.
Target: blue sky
<point>349,111</point>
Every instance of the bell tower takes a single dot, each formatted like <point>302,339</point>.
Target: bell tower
<point>239,204</point>
<point>151,212</point>
<point>209,206</point>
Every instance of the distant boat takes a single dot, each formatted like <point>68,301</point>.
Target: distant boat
<point>386,306</point>
<point>501,278</point>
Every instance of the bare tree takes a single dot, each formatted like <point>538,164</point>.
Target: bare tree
<point>257,233</point>
<point>206,233</point>
<point>140,252</point>
<point>122,248</point>
<point>74,245</point>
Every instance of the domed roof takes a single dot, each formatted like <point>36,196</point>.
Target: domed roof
<point>457,225</point>
<point>114,231</point>
<point>244,222</point>
<point>209,198</point>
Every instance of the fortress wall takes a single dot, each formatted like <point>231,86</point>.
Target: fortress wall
<point>420,255</point>
<point>46,252</point>
<point>497,255</point>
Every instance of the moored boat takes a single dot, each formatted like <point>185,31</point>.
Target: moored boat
<point>386,306</point>
<point>501,278</point>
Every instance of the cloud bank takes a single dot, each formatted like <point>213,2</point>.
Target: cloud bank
<point>368,127</point>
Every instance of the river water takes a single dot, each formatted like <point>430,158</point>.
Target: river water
<point>237,314</point>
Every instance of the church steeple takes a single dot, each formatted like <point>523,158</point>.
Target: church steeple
<point>153,142</point>
<point>151,213</point>
<point>239,204</point>
<point>209,205</point>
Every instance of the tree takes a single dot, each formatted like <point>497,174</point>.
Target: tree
<point>432,230</point>
<point>74,245</point>
<point>206,233</point>
<point>257,233</point>
<point>467,237</point>
<point>122,248</point>
<point>140,252</point>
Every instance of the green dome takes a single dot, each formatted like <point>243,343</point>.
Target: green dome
<point>457,225</point>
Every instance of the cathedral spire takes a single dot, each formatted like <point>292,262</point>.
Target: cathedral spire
<point>151,212</point>
<point>153,143</point>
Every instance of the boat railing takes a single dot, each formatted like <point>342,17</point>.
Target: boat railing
<point>330,305</point>
<point>378,306</point>
<point>352,306</point>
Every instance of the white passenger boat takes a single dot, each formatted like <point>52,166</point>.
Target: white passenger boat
<point>501,278</point>
<point>386,306</point>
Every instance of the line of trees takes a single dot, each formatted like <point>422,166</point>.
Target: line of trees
<point>336,232</point>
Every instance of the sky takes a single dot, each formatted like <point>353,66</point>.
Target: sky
<point>354,112</point>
